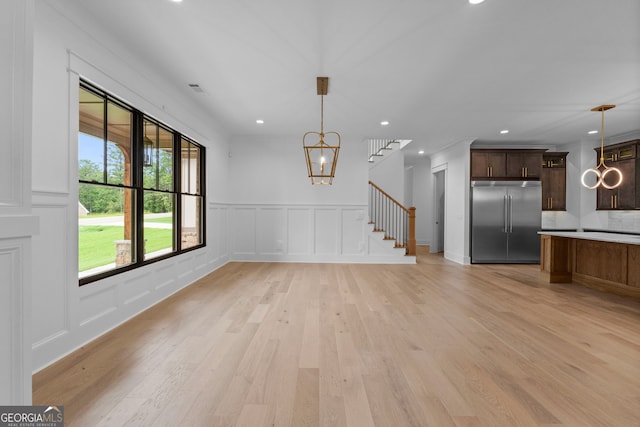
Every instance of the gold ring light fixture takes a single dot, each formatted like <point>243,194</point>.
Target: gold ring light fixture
<point>601,171</point>
<point>321,157</point>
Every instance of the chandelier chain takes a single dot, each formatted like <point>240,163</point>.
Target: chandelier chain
<point>321,114</point>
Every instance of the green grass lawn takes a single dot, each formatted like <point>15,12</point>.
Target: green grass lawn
<point>101,215</point>
<point>164,220</point>
<point>97,247</point>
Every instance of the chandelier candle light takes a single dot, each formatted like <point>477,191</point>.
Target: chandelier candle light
<point>602,170</point>
<point>321,157</point>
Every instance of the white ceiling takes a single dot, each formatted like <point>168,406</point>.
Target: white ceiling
<point>438,70</point>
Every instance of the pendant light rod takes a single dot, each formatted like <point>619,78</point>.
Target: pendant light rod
<point>322,87</point>
<point>602,108</point>
<point>602,170</point>
<point>322,114</point>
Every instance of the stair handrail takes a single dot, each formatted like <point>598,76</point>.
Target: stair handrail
<point>411,223</point>
<point>389,197</point>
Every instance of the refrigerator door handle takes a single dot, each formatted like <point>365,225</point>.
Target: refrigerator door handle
<point>506,213</point>
<point>510,214</point>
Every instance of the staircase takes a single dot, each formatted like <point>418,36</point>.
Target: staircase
<point>392,222</point>
<point>379,147</point>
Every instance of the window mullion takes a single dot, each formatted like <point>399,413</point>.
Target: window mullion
<point>138,144</point>
<point>177,190</point>
<point>105,138</point>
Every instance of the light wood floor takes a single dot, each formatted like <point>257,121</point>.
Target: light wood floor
<point>439,344</point>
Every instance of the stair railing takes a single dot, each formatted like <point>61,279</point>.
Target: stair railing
<point>396,221</point>
<point>378,146</point>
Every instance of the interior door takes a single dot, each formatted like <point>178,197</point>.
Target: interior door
<point>439,202</point>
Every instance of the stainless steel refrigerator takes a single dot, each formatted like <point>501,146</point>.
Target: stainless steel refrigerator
<point>505,220</point>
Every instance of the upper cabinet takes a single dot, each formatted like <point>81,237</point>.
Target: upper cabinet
<point>554,177</point>
<point>524,164</point>
<point>506,164</point>
<point>488,164</point>
<point>623,156</point>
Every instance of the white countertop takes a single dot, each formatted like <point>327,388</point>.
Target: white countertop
<point>629,239</point>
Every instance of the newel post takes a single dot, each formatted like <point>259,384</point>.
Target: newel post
<point>411,248</point>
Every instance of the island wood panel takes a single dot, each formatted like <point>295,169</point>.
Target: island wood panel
<point>603,260</point>
<point>606,266</point>
<point>634,266</point>
<point>555,258</point>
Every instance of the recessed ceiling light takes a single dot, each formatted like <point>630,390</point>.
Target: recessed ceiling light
<point>177,1</point>
<point>592,132</point>
<point>421,152</point>
<point>475,1</point>
<point>259,121</point>
<point>384,123</point>
<point>504,131</point>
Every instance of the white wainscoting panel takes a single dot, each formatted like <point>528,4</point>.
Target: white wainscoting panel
<point>218,234</point>
<point>299,227</point>
<point>244,227</point>
<point>50,300</point>
<point>137,286</point>
<point>326,231</point>
<point>303,233</point>
<point>14,297</point>
<point>271,230</point>
<point>7,350</point>
<point>164,279</point>
<point>353,242</point>
<point>96,302</point>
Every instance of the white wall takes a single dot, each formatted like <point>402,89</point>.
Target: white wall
<point>17,224</point>
<point>274,171</point>
<point>454,160</point>
<point>407,198</point>
<point>277,215</point>
<point>422,197</point>
<point>387,172</point>
<point>65,315</point>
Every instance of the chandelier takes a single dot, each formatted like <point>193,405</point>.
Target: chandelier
<point>321,157</point>
<point>602,170</point>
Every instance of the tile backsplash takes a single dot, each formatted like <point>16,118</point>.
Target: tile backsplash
<point>624,221</point>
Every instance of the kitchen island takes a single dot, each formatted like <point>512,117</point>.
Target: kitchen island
<point>601,260</point>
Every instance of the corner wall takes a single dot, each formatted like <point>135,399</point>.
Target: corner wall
<point>67,46</point>
<point>17,224</point>
<point>455,161</point>
<point>422,190</point>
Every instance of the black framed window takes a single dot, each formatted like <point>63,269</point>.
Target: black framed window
<point>141,188</point>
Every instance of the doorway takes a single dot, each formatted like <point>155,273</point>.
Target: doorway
<point>439,210</point>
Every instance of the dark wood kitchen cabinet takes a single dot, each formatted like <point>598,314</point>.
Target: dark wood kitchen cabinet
<point>554,181</point>
<point>623,156</point>
<point>506,164</point>
<point>624,196</point>
<point>524,164</point>
<point>488,164</point>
